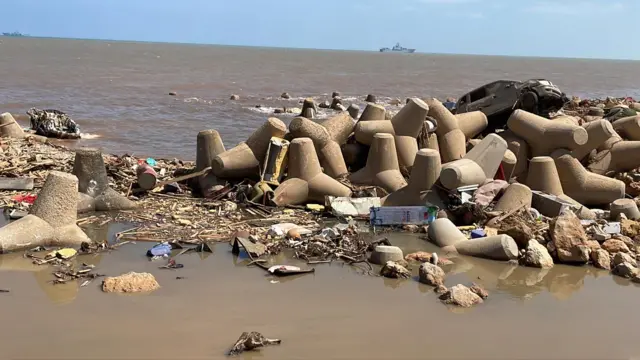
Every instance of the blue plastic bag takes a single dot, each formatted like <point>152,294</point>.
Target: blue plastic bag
<point>159,250</point>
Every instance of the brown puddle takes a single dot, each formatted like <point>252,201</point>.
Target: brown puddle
<point>336,313</point>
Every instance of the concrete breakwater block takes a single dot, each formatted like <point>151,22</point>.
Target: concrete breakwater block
<point>544,135</point>
<point>424,174</point>
<point>520,149</point>
<point>327,138</point>
<point>443,232</point>
<point>309,108</point>
<point>208,145</point>
<point>353,111</point>
<point>509,163</point>
<point>543,176</point>
<point>622,156</point>
<point>500,247</point>
<point>472,123</point>
<point>515,196</point>
<point>306,181</point>
<point>91,173</point>
<point>599,131</point>
<point>481,163</point>
<point>373,112</point>
<point>9,127</point>
<point>585,187</point>
<point>629,127</point>
<point>244,160</point>
<point>52,218</point>
<point>451,139</point>
<point>628,207</point>
<point>382,253</point>
<point>382,167</point>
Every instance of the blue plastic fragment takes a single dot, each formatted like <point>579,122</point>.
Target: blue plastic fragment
<point>478,233</point>
<point>159,250</point>
<point>151,161</point>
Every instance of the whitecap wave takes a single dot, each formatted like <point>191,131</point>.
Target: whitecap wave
<point>88,136</point>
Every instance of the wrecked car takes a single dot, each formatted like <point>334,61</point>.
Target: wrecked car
<point>53,123</point>
<point>500,98</point>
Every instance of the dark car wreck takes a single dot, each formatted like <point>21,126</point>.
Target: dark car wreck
<point>500,98</point>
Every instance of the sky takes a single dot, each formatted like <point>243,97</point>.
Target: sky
<point>547,28</point>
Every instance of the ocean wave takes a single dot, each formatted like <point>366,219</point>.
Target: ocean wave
<point>197,100</point>
<point>87,136</point>
<point>268,110</point>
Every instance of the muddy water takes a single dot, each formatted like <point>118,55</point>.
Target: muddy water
<point>336,313</point>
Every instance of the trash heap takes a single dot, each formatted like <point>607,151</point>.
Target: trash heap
<point>539,192</point>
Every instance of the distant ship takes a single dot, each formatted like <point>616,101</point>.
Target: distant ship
<point>14,34</point>
<point>398,48</point>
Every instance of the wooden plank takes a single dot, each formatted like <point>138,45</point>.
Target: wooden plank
<point>7,183</point>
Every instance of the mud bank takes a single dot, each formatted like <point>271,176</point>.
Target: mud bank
<point>334,313</point>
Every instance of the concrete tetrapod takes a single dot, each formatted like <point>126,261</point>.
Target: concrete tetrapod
<point>598,131</point>
<point>405,125</point>
<point>382,253</point>
<point>509,164</point>
<point>585,187</point>
<point>52,218</point>
<point>92,180</point>
<point>244,160</point>
<point>520,149</point>
<point>472,123</point>
<point>443,232</point>
<point>451,139</point>
<point>543,176</point>
<point>208,145</point>
<point>425,173</point>
<point>479,164</point>
<point>629,127</point>
<point>628,207</point>
<point>9,127</point>
<point>306,181</point>
<point>382,167</point>
<point>515,196</point>
<point>373,112</point>
<point>499,247</point>
<point>327,138</point>
<point>544,135</point>
<point>623,156</point>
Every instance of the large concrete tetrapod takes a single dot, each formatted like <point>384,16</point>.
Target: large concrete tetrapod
<point>520,149</point>
<point>515,196</point>
<point>623,156</point>
<point>628,207</point>
<point>472,123</point>
<point>443,232</point>
<point>509,164</point>
<point>405,125</point>
<point>479,164</point>
<point>52,218</point>
<point>599,131</point>
<point>425,173</point>
<point>382,167</point>
<point>499,247</point>
<point>629,127</point>
<point>327,138</point>
<point>544,135</point>
<point>306,181</point>
<point>208,145</point>
<point>245,159</point>
<point>9,127</point>
<point>585,187</point>
<point>451,139</point>
<point>373,112</point>
<point>92,180</point>
<point>543,176</point>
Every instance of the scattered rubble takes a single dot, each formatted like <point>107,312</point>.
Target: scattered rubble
<point>251,341</point>
<point>462,296</point>
<point>131,282</point>
<point>431,274</point>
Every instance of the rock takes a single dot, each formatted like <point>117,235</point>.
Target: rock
<point>601,259</point>
<point>279,111</point>
<point>431,274</point>
<point>294,234</point>
<point>335,94</point>
<point>461,295</point>
<point>614,246</point>
<point>411,228</point>
<point>285,95</point>
<point>626,270</point>
<point>234,97</point>
<point>173,93</point>
<point>593,245</point>
<point>628,241</point>
<point>602,237</point>
<point>184,222</point>
<point>478,290</point>
<point>620,258</point>
<point>324,105</point>
<point>629,228</point>
<point>537,256</point>
<point>569,238</point>
<point>420,256</point>
<point>440,289</point>
<point>131,282</point>
<point>394,271</point>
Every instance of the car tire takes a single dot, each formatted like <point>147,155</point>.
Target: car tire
<point>529,102</point>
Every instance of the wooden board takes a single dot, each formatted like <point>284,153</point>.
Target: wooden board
<point>7,183</point>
